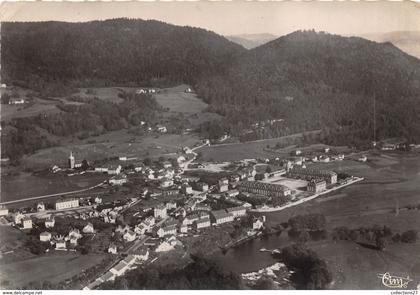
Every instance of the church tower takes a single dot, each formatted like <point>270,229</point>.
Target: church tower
<point>71,161</point>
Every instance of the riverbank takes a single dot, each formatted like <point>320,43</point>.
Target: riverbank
<point>275,209</point>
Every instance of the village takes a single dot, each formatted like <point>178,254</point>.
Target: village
<point>154,207</point>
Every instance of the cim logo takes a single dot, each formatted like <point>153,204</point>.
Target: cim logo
<point>393,281</point>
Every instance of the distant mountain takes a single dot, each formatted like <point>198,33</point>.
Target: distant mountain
<point>317,80</point>
<point>407,41</point>
<point>250,41</point>
<point>117,51</point>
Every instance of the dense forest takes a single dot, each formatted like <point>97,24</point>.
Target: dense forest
<point>311,80</point>
<point>111,52</point>
<point>200,274</point>
<point>318,80</point>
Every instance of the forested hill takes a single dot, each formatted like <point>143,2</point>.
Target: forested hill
<point>317,80</point>
<point>311,80</point>
<point>111,52</point>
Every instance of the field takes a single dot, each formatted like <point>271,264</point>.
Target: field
<point>112,144</point>
<point>26,185</point>
<point>39,106</point>
<point>54,268</point>
<point>249,150</point>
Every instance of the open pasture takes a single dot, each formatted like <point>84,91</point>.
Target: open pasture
<point>46,268</point>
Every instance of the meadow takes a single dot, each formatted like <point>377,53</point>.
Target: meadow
<point>48,267</point>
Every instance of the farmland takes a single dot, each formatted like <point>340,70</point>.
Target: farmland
<point>250,150</point>
<point>27,185</point>
<point>46,268</point>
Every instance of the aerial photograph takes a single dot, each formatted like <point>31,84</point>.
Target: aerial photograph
<point>210,145</point>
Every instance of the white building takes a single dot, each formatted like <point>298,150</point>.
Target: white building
<point>114,170</point>
<point>187,189</point>
<point>45,236</point>
<point>167,230</point>
<point>118,180</point>
<point>18,218</point>
<point>4,211</point>
<point>40,207</point>
<point>221,216</point>
<point>67,204</point>
<point>166,182</point>
<point>88,229</point>
<point>129,236</point>
<point>27,223</point>
<point>49,222</point>
<point>160,211</point>
<point>112,249</point>
<point>202,223</point>
<point>237,211</point>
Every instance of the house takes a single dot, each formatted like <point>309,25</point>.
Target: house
<point>49,222</point>
<point>4,211</point>
<point>18,218</point>
<point>73,242</point>
<point>187,189</point>
<point>221,216</point>
<point>202,186</point>
<point>242,174</point>
<point>118,180</point>
<point>150,220</point>
<point>60,245</point>
<point>203,207</point>
<point>166,182</point>
<point>223,181</point>
<point>258,223</point>
<point>129,236</point>
<point>317,185</point>
<point>223,187</point>
<point>119,269</point>
<point>17,101</point>
<point>66,204</point>
<point>202,223</point>
<point>362,159</point>
<point>298,152</point>
<point>166,164</point>
<point>101,169</point>
<point>237,211</point>
<point>112,249</point>
<point>142,254</point>
<point>188,90</point>
<point>130,259</point>
<point>160,211</point>
<point>98,200</point>
<point>232,193</point>
<point>141,228</point>
<point>40,207</point>
<point>180,159</point>
<point>324,159</point>
<point>161,129</point>
<point>235,178</point>
<point>326,150</point>
<point>74,234</point>
<point>88,229</point>
<point>170,205</point>
<point>27,223</point>
<point>190,219</point>
<point>114,170</point>
<point>108,276</point>
<point>45,236</point>
<point>183,228</point>
<point>166,230</point>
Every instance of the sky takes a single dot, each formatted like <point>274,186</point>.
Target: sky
<point>236,17</point>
